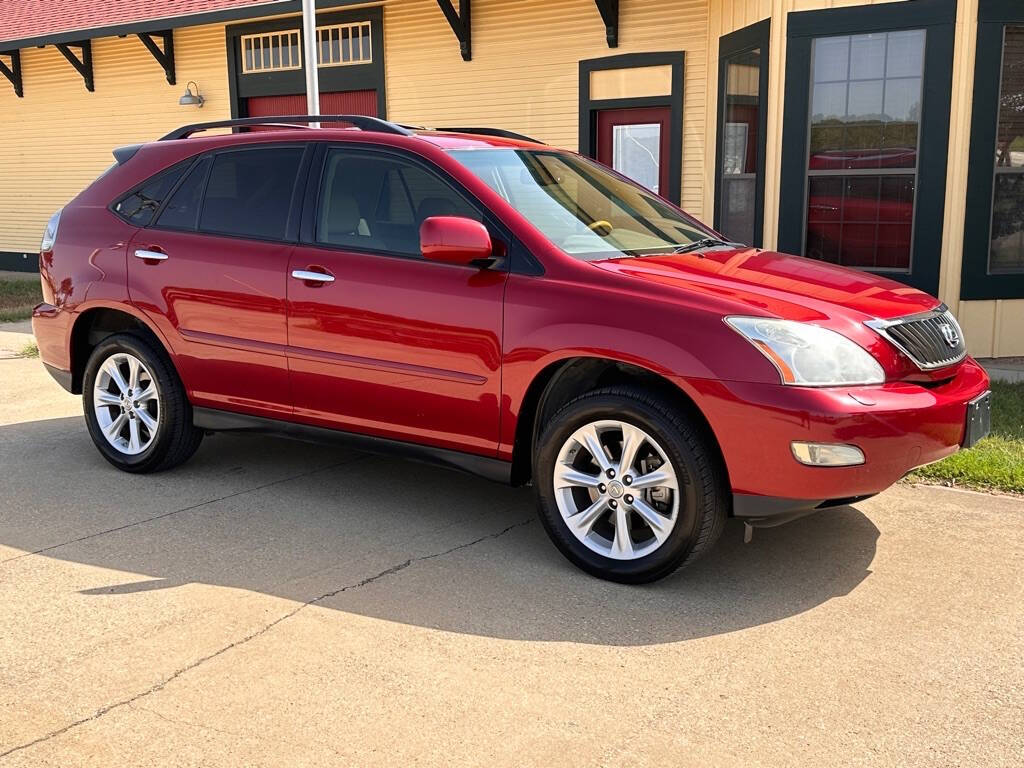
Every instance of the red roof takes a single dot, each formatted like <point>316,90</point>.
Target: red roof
<point>31,19</point>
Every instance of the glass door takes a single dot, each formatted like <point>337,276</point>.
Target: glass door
<point>742,114</point>
<point>993,266</point>
<point>1006,241</point>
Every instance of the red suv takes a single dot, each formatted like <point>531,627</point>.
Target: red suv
<point>480,300</point>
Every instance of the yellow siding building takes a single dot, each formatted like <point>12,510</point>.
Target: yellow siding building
<point>887,136</point>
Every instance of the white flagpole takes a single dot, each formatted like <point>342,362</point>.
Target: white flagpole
<point>312,60</point>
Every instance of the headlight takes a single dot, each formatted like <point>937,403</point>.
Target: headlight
<point>809,355</point>
<point>50,235</point>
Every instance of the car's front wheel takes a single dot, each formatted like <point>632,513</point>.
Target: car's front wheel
<point>135,406</point>
<point>628,488</point>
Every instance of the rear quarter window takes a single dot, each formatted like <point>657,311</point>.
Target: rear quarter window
<point>140,206</point>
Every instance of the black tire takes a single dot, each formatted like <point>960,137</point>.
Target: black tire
<point>176,437</point>
<point>703,495</point>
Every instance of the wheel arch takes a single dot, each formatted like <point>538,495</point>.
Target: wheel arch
<point>562,380</point>
<point>95,323</point>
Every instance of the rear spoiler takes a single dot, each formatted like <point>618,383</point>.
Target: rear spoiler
<point>124,154</point>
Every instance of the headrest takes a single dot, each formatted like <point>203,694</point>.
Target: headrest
<point>343,215</point>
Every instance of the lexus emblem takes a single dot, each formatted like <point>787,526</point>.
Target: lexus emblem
<point>950,335</point>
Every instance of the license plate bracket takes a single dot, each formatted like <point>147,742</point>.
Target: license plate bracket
<point>979,419</point>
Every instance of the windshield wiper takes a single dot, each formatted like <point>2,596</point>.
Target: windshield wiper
<point>704,242</point>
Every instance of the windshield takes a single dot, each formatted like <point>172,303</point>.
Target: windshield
<point>584,209</point>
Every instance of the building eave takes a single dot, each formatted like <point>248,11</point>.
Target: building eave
<point>257,10</point>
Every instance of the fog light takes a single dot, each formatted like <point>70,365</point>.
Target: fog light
<point>827,454</point>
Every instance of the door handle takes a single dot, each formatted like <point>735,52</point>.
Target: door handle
<point>151,255</point>
<point>313,277</point>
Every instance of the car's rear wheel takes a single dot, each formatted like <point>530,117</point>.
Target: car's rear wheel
<point>135,406</point>
<point>628,488</point>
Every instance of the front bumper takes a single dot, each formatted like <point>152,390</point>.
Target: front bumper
<point>899,426</point>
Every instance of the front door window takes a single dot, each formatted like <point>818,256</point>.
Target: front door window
<point>635,153</point>
<point>865,118</point>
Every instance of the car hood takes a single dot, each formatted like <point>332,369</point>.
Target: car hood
<point>769,283</point>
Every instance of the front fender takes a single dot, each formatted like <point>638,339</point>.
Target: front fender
<point>547,321</point>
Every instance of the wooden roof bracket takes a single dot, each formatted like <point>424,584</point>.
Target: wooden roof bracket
<point>82,62</point>
<point>460,24</point>
<point>164,56</point>
<point>12,72</point>
<point>610,16</point>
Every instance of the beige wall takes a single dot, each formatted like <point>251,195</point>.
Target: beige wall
<point>524,75</point>
<point>61,134</point>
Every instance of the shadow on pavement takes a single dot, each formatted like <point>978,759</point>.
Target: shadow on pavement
<point>302,521</point>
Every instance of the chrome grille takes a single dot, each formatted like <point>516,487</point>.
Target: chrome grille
<point>931,340</point>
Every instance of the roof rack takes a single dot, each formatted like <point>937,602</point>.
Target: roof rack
<point>500,133</point>
<point>362,122</point>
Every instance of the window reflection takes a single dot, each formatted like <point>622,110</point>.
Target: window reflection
<point>865,126</point>
<point>1007,249</point>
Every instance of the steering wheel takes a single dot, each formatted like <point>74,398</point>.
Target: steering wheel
<point>600,224</point>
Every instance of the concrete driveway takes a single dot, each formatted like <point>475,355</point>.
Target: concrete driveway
<point>276,603</point>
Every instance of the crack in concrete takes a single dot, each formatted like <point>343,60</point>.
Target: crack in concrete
<point>156,688</point>
<point>183,509</point>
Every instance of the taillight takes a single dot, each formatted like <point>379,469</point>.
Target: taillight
<point>50,235</point>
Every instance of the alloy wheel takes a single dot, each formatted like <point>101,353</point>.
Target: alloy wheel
<point>616,489</point>
<point>126,401</point>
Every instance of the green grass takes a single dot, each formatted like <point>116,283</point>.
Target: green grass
<point>30,350</point>
<point>997,462</point>
<point>17,298</point>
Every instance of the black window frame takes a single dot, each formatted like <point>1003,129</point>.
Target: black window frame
<point>976,282</point>
<point>751,38</point>
<point>518,259</point>
<point>938,19</point>
<point>588,107</point>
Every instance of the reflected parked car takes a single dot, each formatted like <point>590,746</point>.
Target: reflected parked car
<point>862,220</point>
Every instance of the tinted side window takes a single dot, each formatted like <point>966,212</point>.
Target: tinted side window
<point>138,207</point>
<point>182,210</point>
<point>377,202</point>
<point>250,191</point>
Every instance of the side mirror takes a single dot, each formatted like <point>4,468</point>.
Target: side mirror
<point>455,240</point>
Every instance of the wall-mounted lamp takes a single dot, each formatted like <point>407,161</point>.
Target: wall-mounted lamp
<point>191,99</point>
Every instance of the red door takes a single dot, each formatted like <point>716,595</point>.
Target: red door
<point>218,294</point>
<point>220,302</point>
<point>387,343</point>
<point>636,143</point>
<point>339,103</point>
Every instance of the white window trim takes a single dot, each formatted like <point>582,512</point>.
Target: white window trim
<point>355,30</point>
<point>285,38</point>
